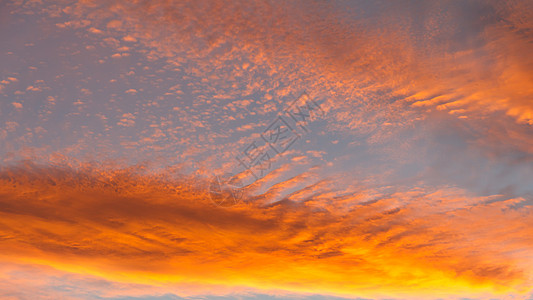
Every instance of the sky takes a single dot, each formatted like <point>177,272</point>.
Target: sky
<point>266,149</point>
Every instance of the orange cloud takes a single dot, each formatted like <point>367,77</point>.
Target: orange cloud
<point>376,70</point>
<point>131,228</point>
<point>384,67</point>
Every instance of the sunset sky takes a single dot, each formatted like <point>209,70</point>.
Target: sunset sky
<point>161,149</point>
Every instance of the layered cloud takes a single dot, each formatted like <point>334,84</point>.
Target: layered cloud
<point>125,227</point>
